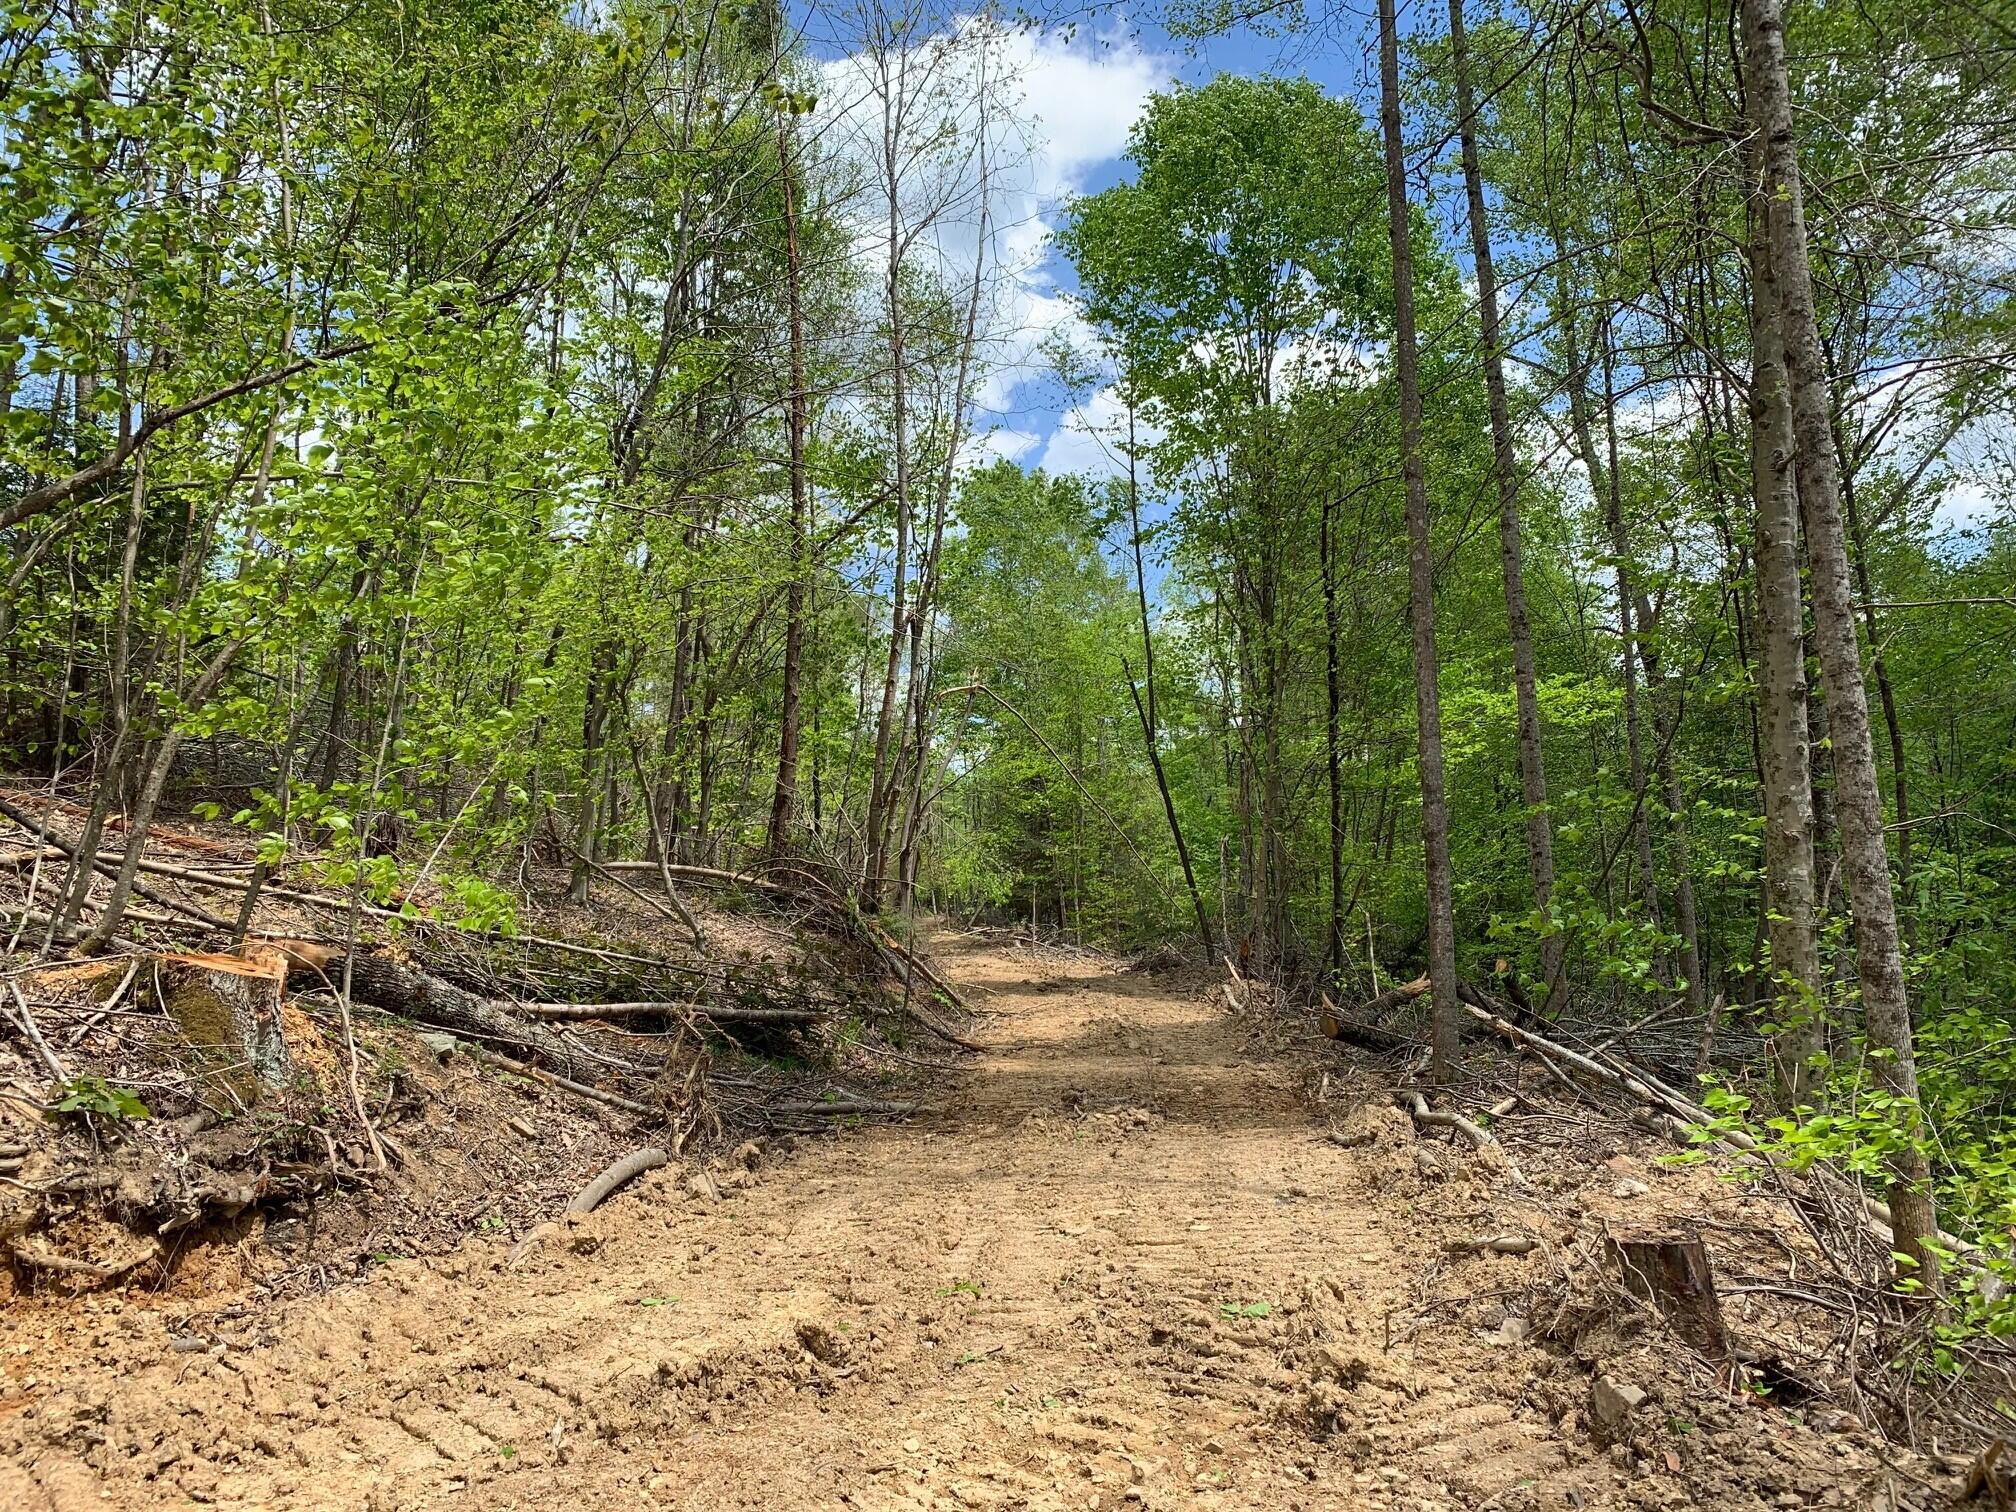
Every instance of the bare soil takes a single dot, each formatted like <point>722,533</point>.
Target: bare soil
<point>1122,1266</point>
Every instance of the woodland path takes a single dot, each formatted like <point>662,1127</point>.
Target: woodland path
<point>1123,1268</point>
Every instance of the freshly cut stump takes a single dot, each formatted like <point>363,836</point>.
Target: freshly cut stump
<point>228,1008</point>
<point>1670,1270</point>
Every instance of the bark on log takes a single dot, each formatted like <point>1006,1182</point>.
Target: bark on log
<point>1366,1036</point>
<point>383,982</point>
<point>1480,1139</point>
<point>1394,997</point>
<point>628,1168</point>
<point>1671,1271</point>
<point>844,1107</point>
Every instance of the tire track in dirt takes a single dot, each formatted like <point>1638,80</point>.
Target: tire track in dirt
<point>1123,1269</point>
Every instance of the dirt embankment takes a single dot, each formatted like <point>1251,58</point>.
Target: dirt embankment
<point>1124,1267</point>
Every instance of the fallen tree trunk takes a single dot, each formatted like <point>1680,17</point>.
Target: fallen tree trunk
<point>1683,1119</point>
<point>1366,1036</point>
<point>1394,997</point>
<point>718,1013</point>
<point>396,987</point>
<point>901,960</point>
<point>106,868</point>
<point>1479,1138</point>
<point>580,1089</point>
<point>844,1107</point>
<point>1493,1244</point>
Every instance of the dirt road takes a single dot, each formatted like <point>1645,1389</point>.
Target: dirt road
<point>1122,1268</point>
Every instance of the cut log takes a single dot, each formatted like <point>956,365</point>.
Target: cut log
<point>1493,1244</point>
<point>1671,1271</point>
<point>393,985</point>
<point>844,1107</point>
<point>228,1008</point>
<point>1355,1031</point>
<point>1394,997</point>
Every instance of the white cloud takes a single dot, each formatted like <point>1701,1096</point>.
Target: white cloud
<point>1091,437</point>
<point>1079,96</point>
<point>999,444</point>
<point>1968,504</point>
<point>1083,94</point>
<point>1067,99</point>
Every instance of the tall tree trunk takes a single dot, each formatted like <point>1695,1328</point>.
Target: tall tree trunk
<point>1781,694</point>
<point>1445,1050</point>
<point>1858,799</point>
<point>887,765</point>
<point>1505,473</point>
<point>1333,756</point>
<point>144,807</point>
<point>1604,484</point>
<point>1886,696</point>
<point>922,663</point>
<point>1634,616</point>
<point>594,721</point>
<point>1680,847</point>
<point>1148,712</point>
<point>786,792</point>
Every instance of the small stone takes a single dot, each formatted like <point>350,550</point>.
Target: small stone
<point>748,1155</point>
<point>1629,1187</point>
<point>700,1187</point>
<point>440,1045</point>
<point>1614,1401</point>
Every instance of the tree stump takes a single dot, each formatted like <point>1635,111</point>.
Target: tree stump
<point>1671,1271</point>
<point>228,1008</point>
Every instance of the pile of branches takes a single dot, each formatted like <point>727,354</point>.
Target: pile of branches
<point>527,999</point>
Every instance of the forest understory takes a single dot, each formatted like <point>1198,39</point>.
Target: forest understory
<point>1155,1244</point>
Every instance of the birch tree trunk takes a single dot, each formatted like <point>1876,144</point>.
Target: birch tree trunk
<point>1781,694</point>
<point>1858,800</point>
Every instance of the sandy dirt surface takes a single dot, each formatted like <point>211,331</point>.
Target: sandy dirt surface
<point>1122,1267</point>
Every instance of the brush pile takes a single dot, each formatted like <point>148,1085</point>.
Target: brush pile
<point>253,1039</point>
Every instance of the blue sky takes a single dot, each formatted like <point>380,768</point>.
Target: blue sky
<point>1122,60</point>
<point>1083,78</point>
